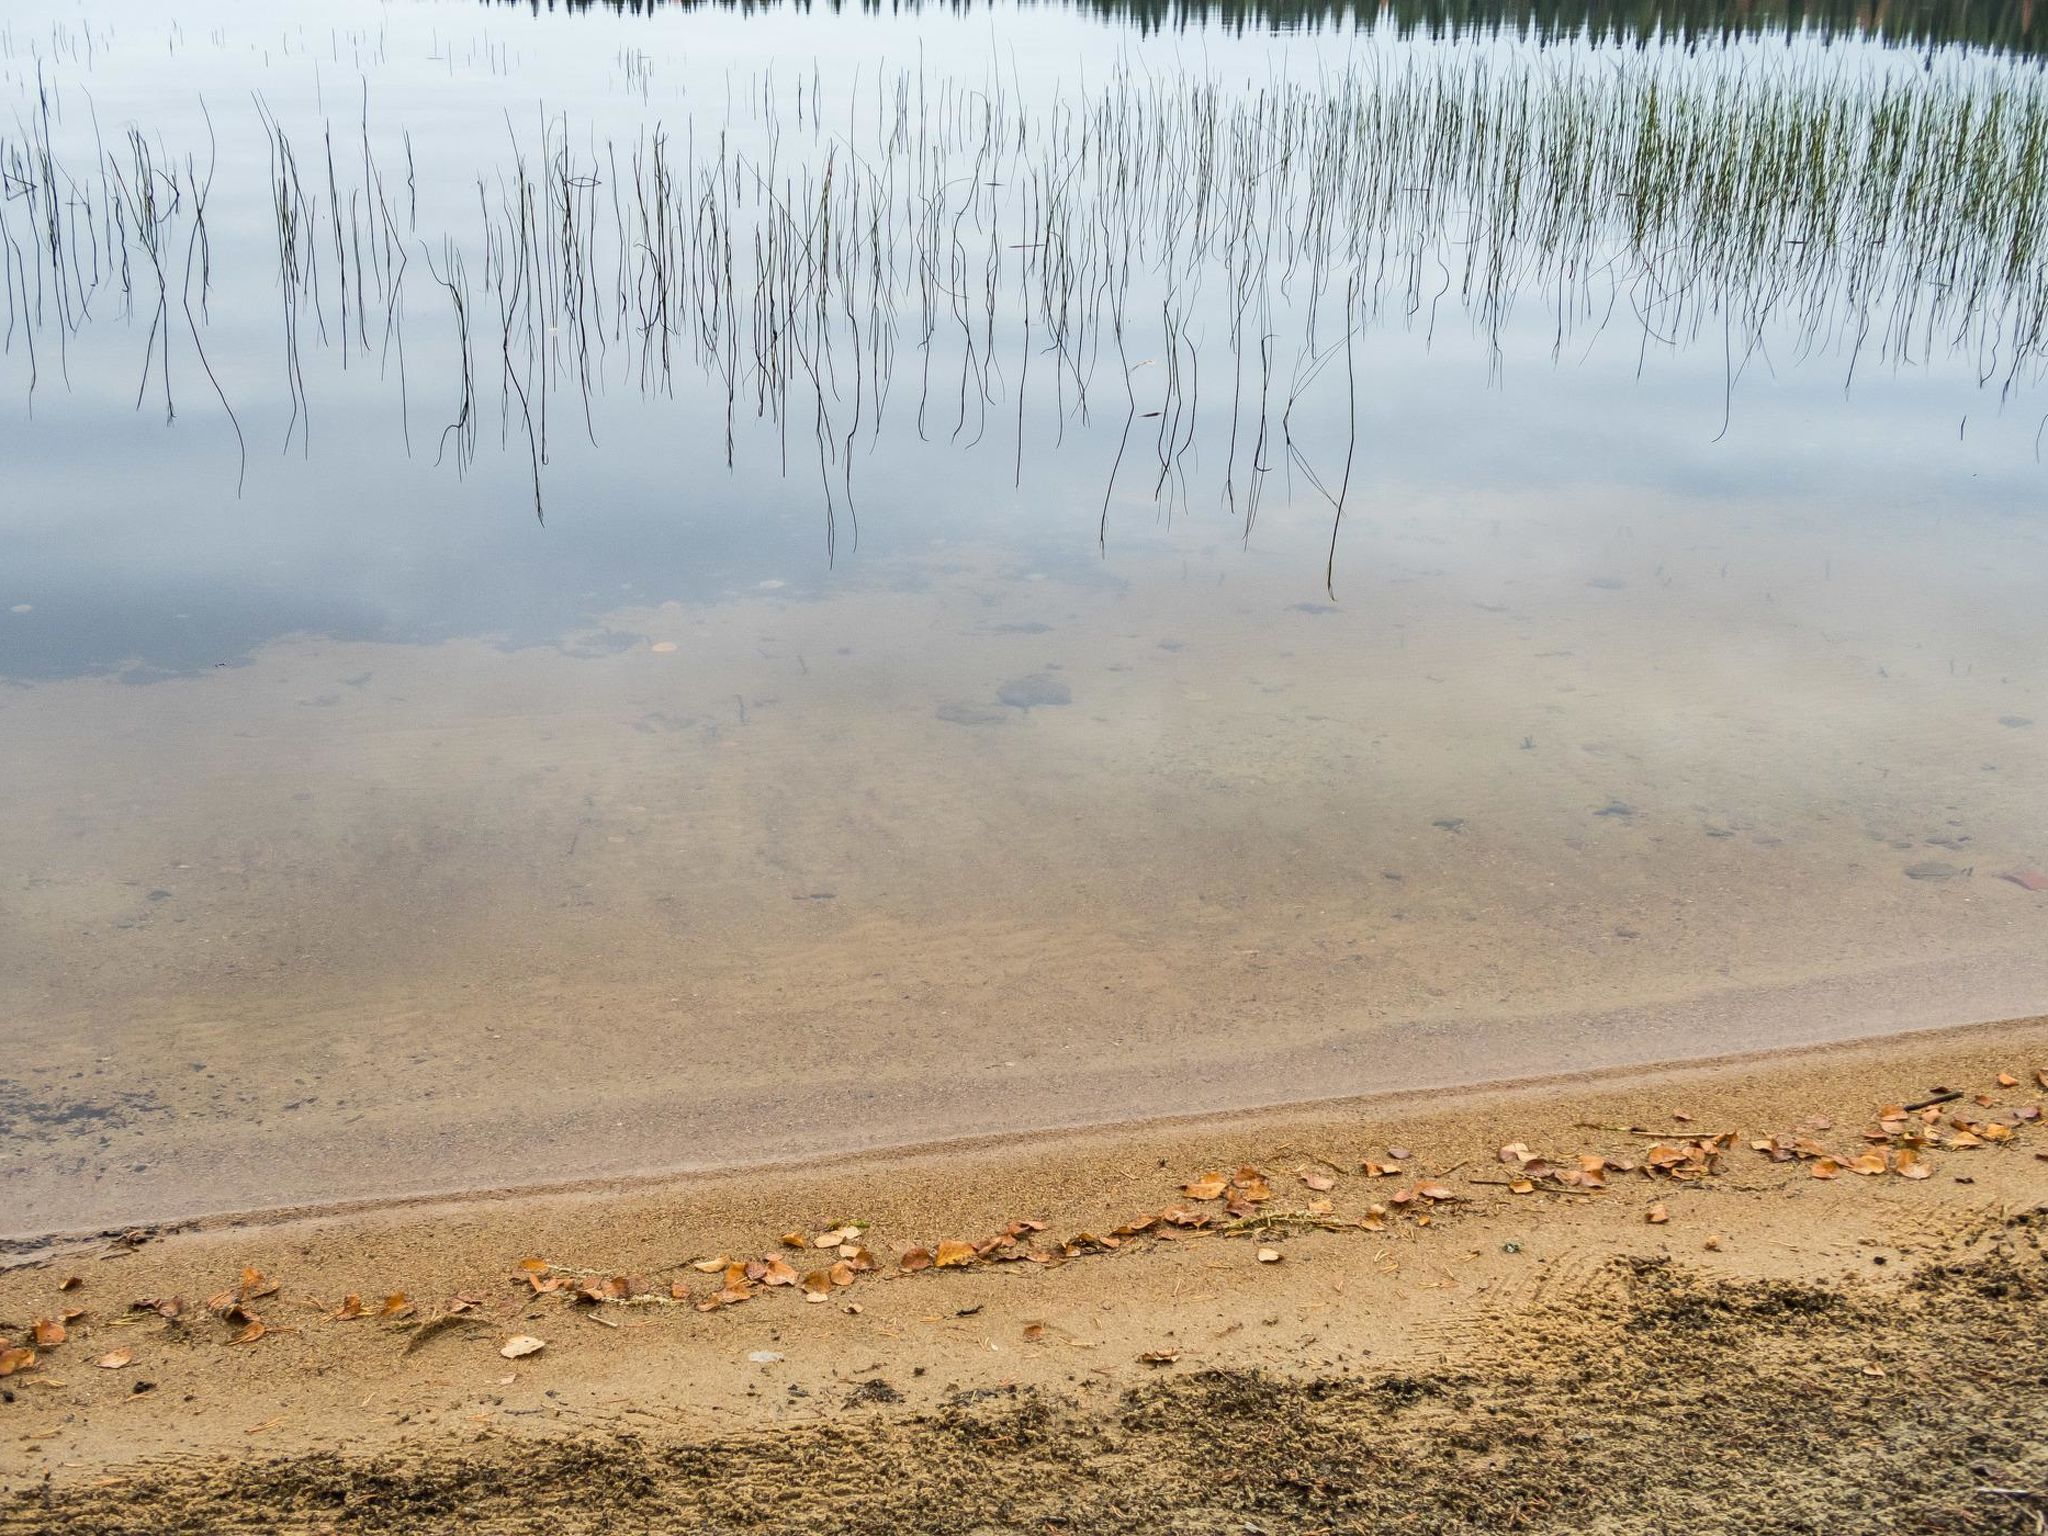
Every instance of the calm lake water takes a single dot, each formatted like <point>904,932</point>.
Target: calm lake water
<point>598,589</point>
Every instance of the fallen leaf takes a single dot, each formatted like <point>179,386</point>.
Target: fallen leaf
<point>1209,1186</point>
<point>1399,1154</point>
<point>1911,1165</point>
<point>818,1285</point>
<point>521,1345</point>
<point>350,1309</point>
<point>1826,1168</point>
<point>778,1273</point>
<point>1436,1192</point>
<point>250,1334</point>
<point>2007,1080</point>
<point>256,1285</point>
<point>397,1304</point>
<point>916,1259</point>
<point>70,1283</point>
<point>17,1359</point>
<point>1033,1332</point>
<point>113,1360</point>
<point>49,1332</point>
<point>2027,879</point>
<point>1522,1187</point>
<point>1269,1255</point>
<point>1713,1243</point>
<point>711,1266</point>
<point>1871,1162</point>
<point>1657,1215</point>
<point>1319,1181</point>
<point>953,1254</point>
<point>795,1240</point>
<point>677,1291</point>
<point>1160,1356</point>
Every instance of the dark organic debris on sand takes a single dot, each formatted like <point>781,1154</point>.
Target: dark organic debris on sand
<point>1640,1402</point>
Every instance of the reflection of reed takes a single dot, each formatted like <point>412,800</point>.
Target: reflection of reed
<point>1163,226</point>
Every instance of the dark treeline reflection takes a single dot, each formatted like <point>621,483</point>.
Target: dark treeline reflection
<point>2003,24</point>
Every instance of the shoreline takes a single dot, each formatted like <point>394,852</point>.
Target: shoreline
<point>1460,1280</point>
<point>28,1245</point>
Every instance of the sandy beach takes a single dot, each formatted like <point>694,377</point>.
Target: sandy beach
<point>1780,1292</point>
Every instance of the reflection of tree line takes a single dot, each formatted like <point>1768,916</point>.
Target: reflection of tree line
<point>1984,23</point>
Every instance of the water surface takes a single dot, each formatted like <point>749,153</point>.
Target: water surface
<point>602,589</point>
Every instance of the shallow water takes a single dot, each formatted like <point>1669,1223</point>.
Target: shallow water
<point>1449,643</point>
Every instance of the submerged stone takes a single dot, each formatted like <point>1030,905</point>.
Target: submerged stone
<point>1040,688</point>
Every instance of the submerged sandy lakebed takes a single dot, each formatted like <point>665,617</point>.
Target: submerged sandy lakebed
<point>1763,1293</point>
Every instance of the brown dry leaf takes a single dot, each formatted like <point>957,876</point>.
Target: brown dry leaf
<point>1657,1215</point>
<point>1251,1186</point>
<point>1713,1243</point>
<point>1399,1154</point>
<point>2007,1080</point>
<point>2041,1077</point>
<point>535,1266</point>
<point>677,1291</point>
<point>916,1259</point>
<point>1826,1168</point>
<point>1160,1356</point>
<point>1374,1170</point>
<point>1209,1186</point>
<point>1033,1332</point>
<point>818,1284</point>
<point>1269,1255</point>
<point>49,1333</point>
<point>795,1240</point>
<point>256,1285</point>
<point>1438,1192</point>
<point>70,1282</point>
<point>841,1273</point>
<point>16,1359</point>
<point>1521,1187</point>
<point>711,1266</point>
<point>1320,1182</point>
<point>861,1260</point>
<point>1911,1165</point>
<point>397,1304</point>
<point>350,1309</point>
<point>70,1314</point>
<point>114,1359</point>
<point>952,1254</point>
<point>521,1345</point>
<point>1871,1162</point>
<point>250,1334</point>
<point>777,1272</point>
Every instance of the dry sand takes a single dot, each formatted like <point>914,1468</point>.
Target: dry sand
<point>1785,1352</point>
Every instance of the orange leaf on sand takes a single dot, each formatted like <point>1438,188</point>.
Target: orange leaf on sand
<point>397,1304</point>
<point>256,1284</point>
<point>1436,1192</point>
<point>1657,1215</point>
<point>817,1285</point>
<point>12,1360</point>
<point>795,1240</point>
<point>1319,1181</point>
<point>113,1360</point>
<point>71,1283</point>
<point>521,1345</point>
<point>953,1254</point>
<point>1826,1168</point>
<point>1873,1161</point>
<point>916,1259</point>
<point>778,1273</point>
<point>1209,1186</point>
<point>535,1266</point>
<point>677,1291</point>
<point>711,1266</point>
<point>1911,1165</point>
<point>250,1334</point>
<point>49,1333</point>
<point>350,1309</point>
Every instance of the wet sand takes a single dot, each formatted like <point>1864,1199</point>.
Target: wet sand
<point>1470,1357</point>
